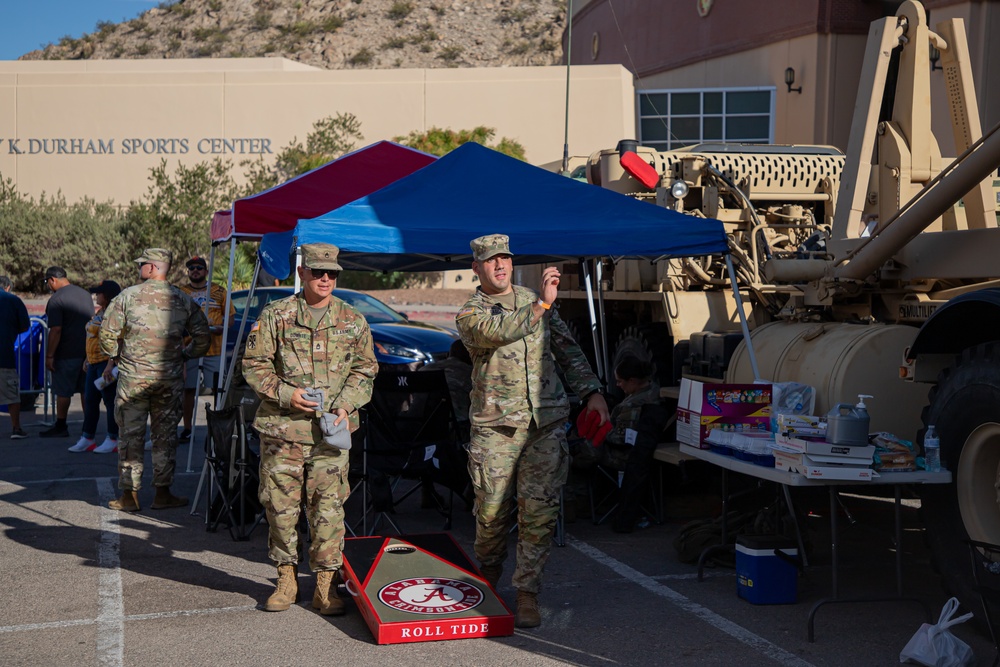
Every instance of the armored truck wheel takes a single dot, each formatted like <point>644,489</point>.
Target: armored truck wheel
<point>965,410</point>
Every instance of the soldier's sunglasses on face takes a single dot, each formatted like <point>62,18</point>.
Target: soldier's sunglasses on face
<point>319,273</point>
<point>197,267</point>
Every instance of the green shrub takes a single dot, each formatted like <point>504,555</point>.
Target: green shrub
<point>450,54</point>
<point>400,10</point>
<point>332,23</point>
<point>261,20</point>
<point>362,57</point>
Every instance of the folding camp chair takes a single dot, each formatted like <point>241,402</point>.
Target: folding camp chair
<point>410,438</point>
<point>234,474</point>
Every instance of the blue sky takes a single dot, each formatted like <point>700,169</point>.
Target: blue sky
<point>26,25</point>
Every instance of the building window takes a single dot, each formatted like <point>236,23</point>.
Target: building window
<point>670,119</point>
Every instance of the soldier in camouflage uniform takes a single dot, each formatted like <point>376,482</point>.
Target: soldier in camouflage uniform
<point>143,330</point>
<point>312,340</point>
<point>519,410</point>
<point>638,422</point>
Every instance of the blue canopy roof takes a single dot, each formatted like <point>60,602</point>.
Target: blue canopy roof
<point>424,221</point>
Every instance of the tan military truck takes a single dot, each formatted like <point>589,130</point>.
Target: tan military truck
<point>871,272</point>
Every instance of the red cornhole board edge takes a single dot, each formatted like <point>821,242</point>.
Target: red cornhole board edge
<point>366,558</point>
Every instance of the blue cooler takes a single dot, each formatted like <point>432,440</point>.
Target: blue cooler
<point>767,569</point>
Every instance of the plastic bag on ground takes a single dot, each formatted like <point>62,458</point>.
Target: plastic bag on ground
<point>935,645</point>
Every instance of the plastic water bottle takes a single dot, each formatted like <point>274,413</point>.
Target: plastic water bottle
<point>932,450</point>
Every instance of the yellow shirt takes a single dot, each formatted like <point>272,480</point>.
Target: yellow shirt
<point>94,353</point>
<point>215,301</point>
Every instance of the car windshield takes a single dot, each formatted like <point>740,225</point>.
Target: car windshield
<point>374,310</point>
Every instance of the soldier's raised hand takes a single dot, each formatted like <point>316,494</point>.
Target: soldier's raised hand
<point>550,284</point>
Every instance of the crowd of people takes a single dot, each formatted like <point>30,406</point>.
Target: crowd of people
<point>310,360</point>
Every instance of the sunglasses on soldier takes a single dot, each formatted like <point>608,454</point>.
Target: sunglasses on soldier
<point>319,273</point>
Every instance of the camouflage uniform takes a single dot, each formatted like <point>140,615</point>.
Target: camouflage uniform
<point>284,351</point>
<point>144,327</point>
<point>519,411</point>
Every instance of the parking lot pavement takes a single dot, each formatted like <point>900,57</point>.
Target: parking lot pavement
<point>85,585</point>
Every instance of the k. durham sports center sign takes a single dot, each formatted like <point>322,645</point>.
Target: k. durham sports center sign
<point>136,146</point>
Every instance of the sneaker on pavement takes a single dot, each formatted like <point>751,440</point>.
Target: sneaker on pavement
<point>109,445</point>
<point>184,437</point>
<point>84,444</point>
<point>56,431</point>
<point>18,434</point>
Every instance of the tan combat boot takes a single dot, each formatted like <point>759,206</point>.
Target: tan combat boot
<point>527,614</point>
<point>491,573</point>
<point>129,502</point>
<point>165,500</point>
<point>287,591</point>
<point>325,598</point>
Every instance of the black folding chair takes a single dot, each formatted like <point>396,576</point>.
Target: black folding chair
<point>410,435</point>
<point>235,474</point>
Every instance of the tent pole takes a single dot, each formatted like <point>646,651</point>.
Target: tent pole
<point>743,317</point>
<point>599,278</point>
<point>243,325</point>
<point>201,360</point>
<point>598,356</point>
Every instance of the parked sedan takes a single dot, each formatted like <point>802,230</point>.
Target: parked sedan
<point>400,344</point>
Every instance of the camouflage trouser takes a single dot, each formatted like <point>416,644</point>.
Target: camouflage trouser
<point>532,463</point>
<point>287,467</point>
<point>136,400</point>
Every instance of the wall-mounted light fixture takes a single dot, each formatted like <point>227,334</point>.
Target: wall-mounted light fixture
<point>934,55</point>
<point>790,79</point>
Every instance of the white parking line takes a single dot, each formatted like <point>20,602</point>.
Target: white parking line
<point>110,605</point>
<point>134,617</point>
<point>722,624</point>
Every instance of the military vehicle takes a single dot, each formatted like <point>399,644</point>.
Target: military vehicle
<point>871,272</point>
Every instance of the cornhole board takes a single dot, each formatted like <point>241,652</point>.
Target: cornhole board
<point>421,588</point>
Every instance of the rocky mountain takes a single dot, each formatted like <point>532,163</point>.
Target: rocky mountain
<point>334,34</point>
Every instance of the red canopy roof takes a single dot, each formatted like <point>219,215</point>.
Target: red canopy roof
<point>319,191</point>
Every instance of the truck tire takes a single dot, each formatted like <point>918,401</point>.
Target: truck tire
<point>965,410</point>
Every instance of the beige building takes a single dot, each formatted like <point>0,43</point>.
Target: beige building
<point>714,70</point>
<point>95,128</point>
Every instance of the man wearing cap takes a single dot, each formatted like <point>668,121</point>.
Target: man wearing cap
<point>14,321</point>
<point>211,298</point>
<point>143,330</point>
<point>519,409</point>
<point>67,312</point>
<point>309,341</point>
<point>100,370</point>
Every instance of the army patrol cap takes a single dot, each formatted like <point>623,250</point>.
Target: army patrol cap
<point>155,255</point>
<point>490,245</point>
<point>321,256</point>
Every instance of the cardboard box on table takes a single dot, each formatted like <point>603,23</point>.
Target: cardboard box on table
<point>419,588</point>
<point>703,406</point>
<point>823,460</point>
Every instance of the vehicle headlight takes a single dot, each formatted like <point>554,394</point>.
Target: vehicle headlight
<point>679,190</point>
<point>393,350</point>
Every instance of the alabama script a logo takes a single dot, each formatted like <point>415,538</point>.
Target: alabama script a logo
<point>430,595</point>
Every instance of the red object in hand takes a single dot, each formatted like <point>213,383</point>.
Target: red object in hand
<point>601,434</point>
<point>639,169</point>
<point>587,423</point>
